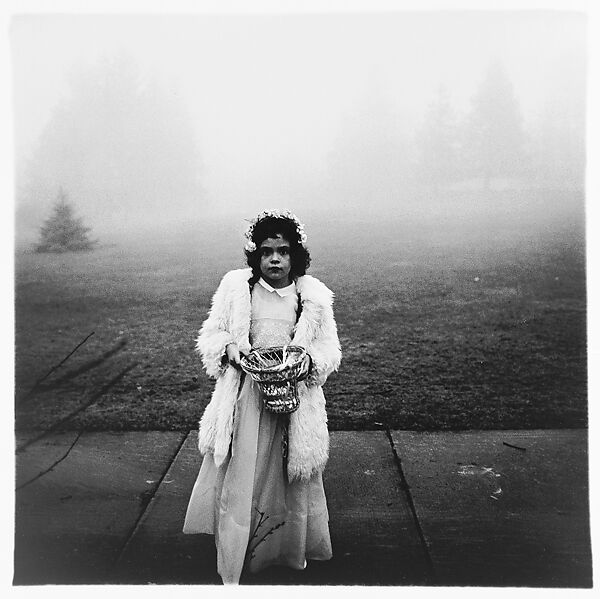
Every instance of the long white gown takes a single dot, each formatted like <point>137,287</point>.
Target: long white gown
<point>258,517</point>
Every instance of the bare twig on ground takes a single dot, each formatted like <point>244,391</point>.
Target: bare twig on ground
<point>269,532</point>
<point>37,383</point>
<point>514,446</point>
<point>95,397</point>
<point>85,367</point>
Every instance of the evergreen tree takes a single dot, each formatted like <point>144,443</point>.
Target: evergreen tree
<point>63,232</point>
<point>494,136</point>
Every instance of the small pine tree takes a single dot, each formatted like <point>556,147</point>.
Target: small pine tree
<point>62,232</point>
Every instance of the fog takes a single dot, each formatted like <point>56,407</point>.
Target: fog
<point>154,121</point>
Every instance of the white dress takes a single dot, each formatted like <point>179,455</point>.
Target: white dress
<point>258,518</point>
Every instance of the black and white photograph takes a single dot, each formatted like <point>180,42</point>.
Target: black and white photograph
<point>301,296</point>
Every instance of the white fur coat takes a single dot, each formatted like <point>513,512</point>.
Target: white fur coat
<point>229,321</point>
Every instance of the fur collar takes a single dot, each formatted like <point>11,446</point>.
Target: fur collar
<point>314,295</point>
<point>310,288</point>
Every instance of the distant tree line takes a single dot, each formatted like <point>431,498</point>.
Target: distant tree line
<point>375,156</point>
<point>123,147</point>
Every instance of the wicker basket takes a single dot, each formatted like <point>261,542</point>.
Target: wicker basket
<point>276,370</point>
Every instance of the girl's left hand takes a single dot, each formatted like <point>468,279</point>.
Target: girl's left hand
<point>305,368</point>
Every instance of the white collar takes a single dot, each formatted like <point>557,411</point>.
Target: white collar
<point>283,292</point>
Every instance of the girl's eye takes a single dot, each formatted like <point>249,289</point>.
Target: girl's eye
<point>284,251</point>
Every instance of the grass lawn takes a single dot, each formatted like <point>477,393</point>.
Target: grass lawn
<point>444,325</point>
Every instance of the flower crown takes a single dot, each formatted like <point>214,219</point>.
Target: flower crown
<point>251,246</point>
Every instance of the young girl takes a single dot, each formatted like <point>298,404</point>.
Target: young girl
<point>260,486</point>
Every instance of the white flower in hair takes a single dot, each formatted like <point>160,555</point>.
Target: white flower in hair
<point>274,213</point>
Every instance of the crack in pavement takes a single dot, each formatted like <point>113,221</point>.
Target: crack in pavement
<point>406,488</point>
<point>147,503</point>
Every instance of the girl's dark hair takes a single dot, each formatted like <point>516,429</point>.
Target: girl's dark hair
<point>269,228</point>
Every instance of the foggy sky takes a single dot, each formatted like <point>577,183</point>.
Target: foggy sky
<point>270,96</point>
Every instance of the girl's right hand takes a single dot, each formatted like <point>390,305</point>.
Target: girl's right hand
<point>233,355</point>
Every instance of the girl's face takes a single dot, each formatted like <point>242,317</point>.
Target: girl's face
<point>275,261</point>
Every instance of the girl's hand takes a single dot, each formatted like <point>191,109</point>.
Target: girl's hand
<point>305,368</point>
<point>233,355</point>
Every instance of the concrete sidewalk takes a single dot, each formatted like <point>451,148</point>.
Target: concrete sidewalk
<point>486,508</point>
